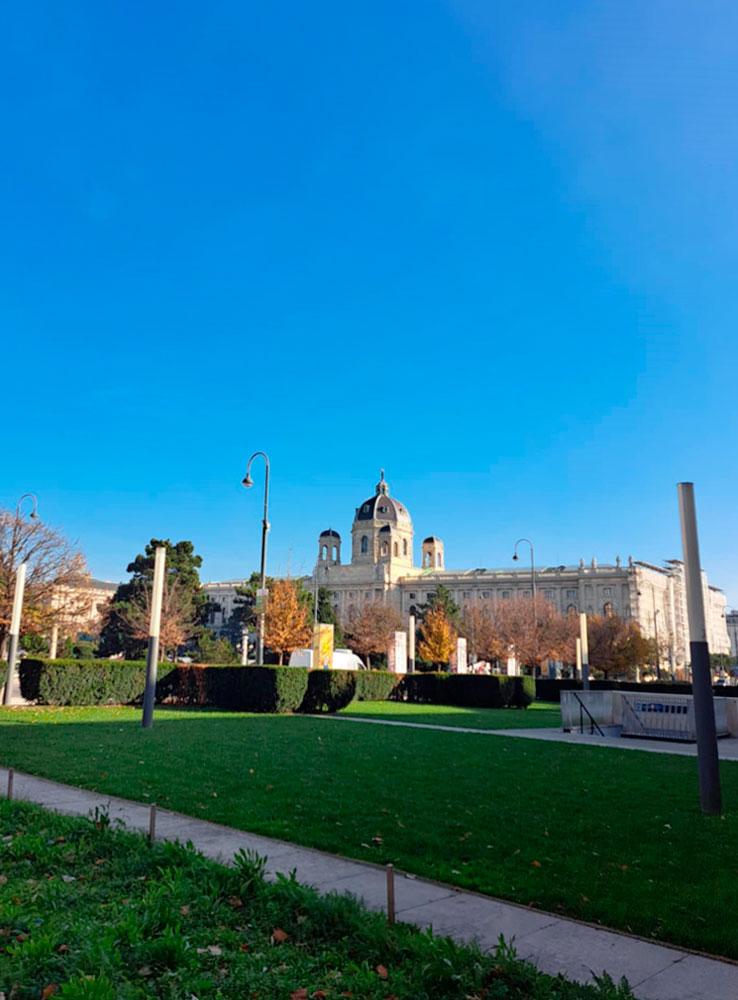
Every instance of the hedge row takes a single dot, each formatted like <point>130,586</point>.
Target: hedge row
<point>548,689</point>
<point>260,689</point>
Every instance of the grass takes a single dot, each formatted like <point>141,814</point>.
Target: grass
<point>536,716</point>
<point>605,835</point>
<point>90,913</point>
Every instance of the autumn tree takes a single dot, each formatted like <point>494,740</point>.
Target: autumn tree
<point>119,633</point>
<point>535,631</point>
<point>179,616</point>
<point>287,624</point>
<point>441,600</point>
<point>616,645</point>
<point>436,637</point>
<point>370,632</point>
<point>480,627</point>
<point>55,571</point>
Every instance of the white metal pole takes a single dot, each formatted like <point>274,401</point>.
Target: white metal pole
<point>15,622</point>
<point>704,710</point>
<point>152,655</point>
<point>585,649</point>
<point>54,644</point>
<point>578,666</point>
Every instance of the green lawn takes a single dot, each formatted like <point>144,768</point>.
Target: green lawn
<point>538,715</point>
<point>91,913</point>
<point>607,835</point>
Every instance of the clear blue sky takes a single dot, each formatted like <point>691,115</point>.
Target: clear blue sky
<point>490,247</point>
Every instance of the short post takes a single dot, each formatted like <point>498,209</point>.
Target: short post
<point>54,643</point>
<point>578,665</point>
<point>152,655</point>
<point>390,894</point>
<point>585,650</point>
<point>152,823</point>
<point>11,775</point>
<point>411,644</point>
<point>244,647</point>
<point>15,622</point>
<point>704,708</point>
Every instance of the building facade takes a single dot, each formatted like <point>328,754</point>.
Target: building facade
<point>731,619</point>
<point>382,568</point>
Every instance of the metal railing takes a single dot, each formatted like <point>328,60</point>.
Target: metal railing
<point>592,724</point>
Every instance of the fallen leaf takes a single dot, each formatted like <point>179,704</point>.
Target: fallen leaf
<point>144,971</point>
<point>215,949</point>
<point>48,990</point>
<point>319,994</point>
<point>215,795</point>
<point>245,947</point>
<point>184,910</point>
<point>235,903</point>
<point>3,879</point>
<point>63,948</point>
<point>382,972</point>
<point>300,994</point>
<point>623,868</point>
<point>536,864</point>
<point>68,878</point>
<point>278,935</point>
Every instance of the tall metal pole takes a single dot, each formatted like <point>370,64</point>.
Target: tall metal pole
<point>704,709</point>
<point>578,665</point>
<point>152,655</point>
<point>411,644</point>
<point>656,633</point>
<point>585,649</point>
<point>533,586</point>
<point>15,621</point>
<point>248,482</point>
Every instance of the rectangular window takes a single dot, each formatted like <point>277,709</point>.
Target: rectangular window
<point>485,595</point>
<point>607,591</point>
<point>411,596</point>
<point>505,595</point>
<point>549,594</point>
<point>467,595</point>
<point>368,594</point>
<point>571,593</point>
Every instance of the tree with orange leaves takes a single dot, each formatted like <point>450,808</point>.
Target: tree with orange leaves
<point>286,620</point>
<point>437,637</point>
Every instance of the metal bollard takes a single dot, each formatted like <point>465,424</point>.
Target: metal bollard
<point>11,775</point>
<point>152,823</point>
<point>390,894</point>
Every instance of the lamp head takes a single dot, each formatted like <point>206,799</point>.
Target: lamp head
<point>247,481</point>
<point>34,515</point>
<point>515,557</point>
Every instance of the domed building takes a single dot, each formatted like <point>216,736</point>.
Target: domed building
<point>382,568</point>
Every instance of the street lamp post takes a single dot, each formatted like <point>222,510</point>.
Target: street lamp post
<point>533,581</point>
<point>656,613</point>
<point>248,482</point>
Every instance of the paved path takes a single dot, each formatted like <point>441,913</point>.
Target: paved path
<point>554,944</point>
<point>727,747</point>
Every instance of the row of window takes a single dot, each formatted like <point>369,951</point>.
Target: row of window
<point>384,548</point>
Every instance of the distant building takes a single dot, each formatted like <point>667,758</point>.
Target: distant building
<point>731,619</point>
<point>382,568</point>
<point>80,610</point>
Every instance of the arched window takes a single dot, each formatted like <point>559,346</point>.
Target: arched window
<point>364,544</point>
<point>324,552</point>
<point>608,610</point>
<point>404,546</point>
<point>385,549</point>
<point>572,609</point>
<point>397,549</point>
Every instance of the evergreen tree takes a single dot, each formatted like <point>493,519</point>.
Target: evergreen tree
<point>182,567</point>
<point>442,600</point>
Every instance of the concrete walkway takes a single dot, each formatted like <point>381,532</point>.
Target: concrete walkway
<point>554,944</point>
<point>727,747</point>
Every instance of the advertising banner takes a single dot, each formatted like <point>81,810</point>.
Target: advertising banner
<point>323,647</point>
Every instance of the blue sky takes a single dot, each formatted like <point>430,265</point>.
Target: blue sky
<point>489,247</point>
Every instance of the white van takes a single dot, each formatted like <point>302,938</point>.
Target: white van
<point>343,659</point>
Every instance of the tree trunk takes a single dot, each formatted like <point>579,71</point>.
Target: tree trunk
<point>368,661</point>
<point>281,656</point>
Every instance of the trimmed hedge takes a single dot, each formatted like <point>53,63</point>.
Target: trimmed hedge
<point>467,690</point>
<point>242,689</point>
<point>82,682</point>
<point>376,685</point>
<point>329,690</point>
